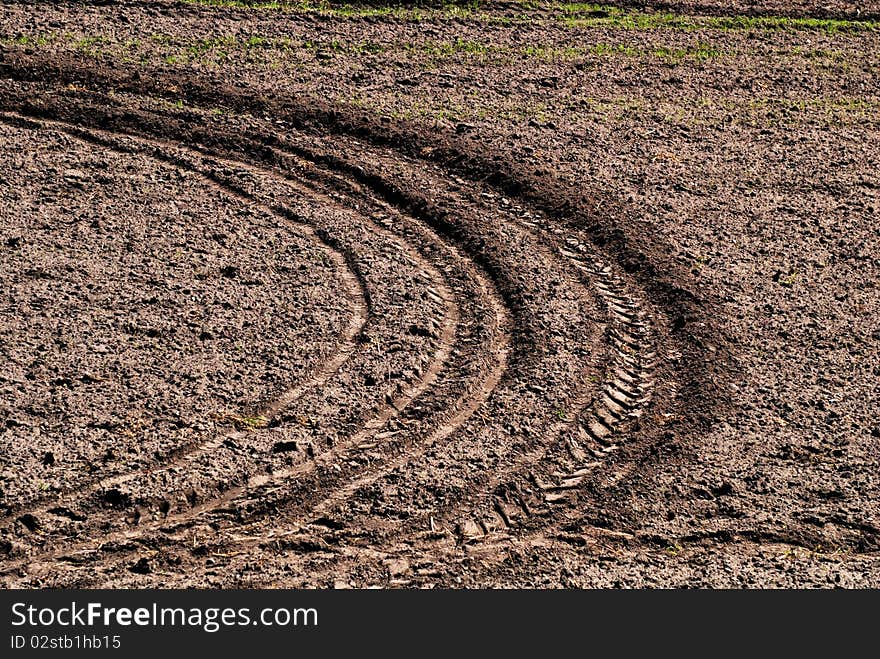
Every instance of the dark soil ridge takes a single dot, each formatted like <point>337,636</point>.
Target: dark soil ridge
<point>78,131</point>
<point>452,154</point>
<point>601,218</point>
<point>94,111</point>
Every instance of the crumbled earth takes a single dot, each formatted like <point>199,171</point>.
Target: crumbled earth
<point>492,295</point>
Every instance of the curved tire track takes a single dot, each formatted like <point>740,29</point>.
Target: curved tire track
<point>346,345</point>
<point>370,428</point>
<point>527,332</point>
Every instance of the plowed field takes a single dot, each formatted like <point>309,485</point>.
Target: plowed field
<point>496,295</point>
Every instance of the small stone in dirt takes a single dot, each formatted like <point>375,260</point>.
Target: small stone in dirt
<point>397,566</point>
<point>30,522</point>
<point>329,523</point>
<point>141,567</point>
<point>468,529</point>
<point>75,178</point>
<point>48,459</point>
<point>283,447</point>
<point>74,174</point>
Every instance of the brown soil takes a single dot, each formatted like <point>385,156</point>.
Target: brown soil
<point>439,299</point>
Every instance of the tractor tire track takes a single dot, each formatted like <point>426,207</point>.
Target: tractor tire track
<point>371,427</point>
<point>539,361</point>
<point>346,344</point>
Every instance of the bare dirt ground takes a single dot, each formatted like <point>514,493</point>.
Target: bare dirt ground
<point>496,295</point>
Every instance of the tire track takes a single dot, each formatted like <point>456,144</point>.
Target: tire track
<point>626,389</point>
<point>461,411</point>
<point>544,311</point>
<point>346,344</point>
<point>275,407</point>
<point>598,430</point>
<point>325,507</point>
<point>557,470</point>
<point>370,428</point>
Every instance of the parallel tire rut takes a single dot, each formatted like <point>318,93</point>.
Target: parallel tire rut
<point>491,362</point>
